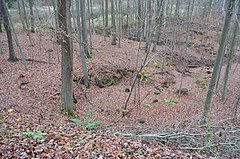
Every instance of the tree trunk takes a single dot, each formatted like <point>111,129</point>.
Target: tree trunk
<point>0,24</point>
<point>114,39</point>
<point>218,60</point>
<point>128,10</point>
<point>21,15</point>
<point>106,19</point>
<point>55,4</point>
<point>231,53</point>
<point>90,26</point>
<point>84,27</point>
<point>67,56</point>
<point>12,56</point>
<point>91,15</point>
<point>1,52</point>
<point>159,22</point>
<point>82,55</point>
<point>149,24</point>
<point>32,26</point>
<point>26,22</point>
<point>139,20</point>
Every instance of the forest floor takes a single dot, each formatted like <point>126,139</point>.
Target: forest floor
<point>32,124</point>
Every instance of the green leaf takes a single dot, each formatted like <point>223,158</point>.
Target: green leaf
<point>139,152</point>
<point>93,125</point>
<point>28,133</point>
<point>147,105</point>
<point>88,116</point>
<point>77,121</point>
<point>39,135</point>
<point>170,101</point>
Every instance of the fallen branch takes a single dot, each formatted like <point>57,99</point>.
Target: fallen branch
<point>39,61</point>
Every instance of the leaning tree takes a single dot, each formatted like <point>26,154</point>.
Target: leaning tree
<point>7,26</point>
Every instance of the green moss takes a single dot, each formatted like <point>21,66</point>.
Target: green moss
<point>71,113</point>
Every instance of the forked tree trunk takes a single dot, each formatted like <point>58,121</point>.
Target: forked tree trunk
<point>218,60</point>
<point>82,54</point>
<point>12,56</point>
<point>67,56</point>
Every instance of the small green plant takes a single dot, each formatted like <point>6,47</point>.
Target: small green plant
<point>71,113</point>
<point>208,136</point>
<point>142,47</point>
<point>147,105</point>
<point>139,152</point>
<point>170,101</point>
<point>87,124</point>
<point>28,133</point>
<point>145,74</point>
<point>202,84</point>
<point>36,134</point>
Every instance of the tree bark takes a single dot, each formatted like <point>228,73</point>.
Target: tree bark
<point>12,56</point>
<point>67,56</point>
<point>32,26</point>
<point>0,23</point>
<point>114,39</point>
<point>21,15</point>
<point>106,19</point>
<point>26,21</point>
<point>84,27</point>
<point>82,55</point>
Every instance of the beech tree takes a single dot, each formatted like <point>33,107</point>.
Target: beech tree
<point>106,20</point>
<point>84,27</point>
<point>31,3</point>
<point>114,39</point>
<point>82,54</point>
<point>3,10</point>
<point>67,55</point>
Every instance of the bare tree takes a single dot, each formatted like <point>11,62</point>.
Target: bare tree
<point>67,56</point>
<point>31,3</point>
<point>3,10</point>
<point>82,54</point>
<point>106,20</point>
<point>114,39</point>
<point>84,27</point>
